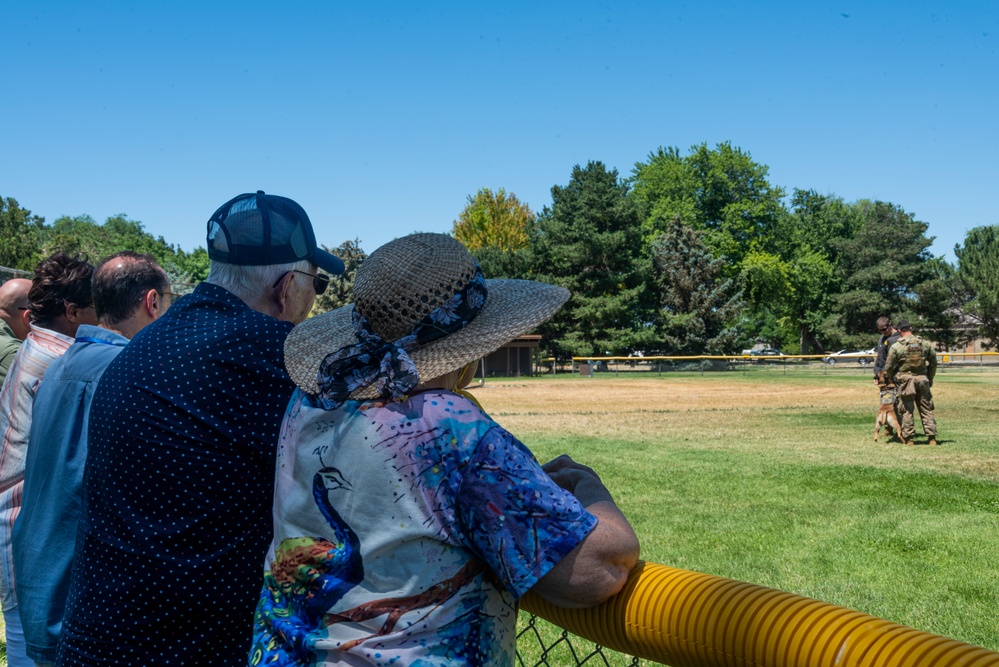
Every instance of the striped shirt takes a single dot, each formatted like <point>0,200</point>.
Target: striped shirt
<point>17,397</point>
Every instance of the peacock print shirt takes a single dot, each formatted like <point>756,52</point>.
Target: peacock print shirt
<point>404,533</point>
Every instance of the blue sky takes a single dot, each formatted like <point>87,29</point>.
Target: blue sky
<point>381,119</point>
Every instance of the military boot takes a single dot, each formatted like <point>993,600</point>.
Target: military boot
<point>933,441</point>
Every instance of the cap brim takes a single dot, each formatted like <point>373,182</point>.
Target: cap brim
<point>512,308</point>
<point>327,262</point>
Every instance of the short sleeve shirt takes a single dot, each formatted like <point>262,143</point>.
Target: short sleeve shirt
<point>178,486</point>
<point>405,532</point>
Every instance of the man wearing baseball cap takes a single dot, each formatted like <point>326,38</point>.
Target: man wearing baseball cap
<point>180,467</point>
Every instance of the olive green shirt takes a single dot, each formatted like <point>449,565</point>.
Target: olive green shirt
<point>912,355</point>
<point>9,345</point>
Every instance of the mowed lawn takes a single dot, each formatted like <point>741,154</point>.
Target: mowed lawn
<point>774,479</point>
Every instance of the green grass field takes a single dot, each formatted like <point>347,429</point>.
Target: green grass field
<point>773,479</point>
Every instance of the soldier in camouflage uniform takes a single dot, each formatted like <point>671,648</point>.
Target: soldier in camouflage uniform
<point>913,363</point>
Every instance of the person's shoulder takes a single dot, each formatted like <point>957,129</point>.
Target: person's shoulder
<point>449,403</point>
<point>9,346</point>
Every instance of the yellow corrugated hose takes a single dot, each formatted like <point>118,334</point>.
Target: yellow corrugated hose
<point>688,619</point>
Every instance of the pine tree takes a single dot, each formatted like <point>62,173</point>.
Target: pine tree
<point>590,242</point>
<point>697,305</point>
<point>887,269</point>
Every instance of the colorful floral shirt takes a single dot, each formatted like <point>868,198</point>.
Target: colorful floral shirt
<point>405,532</point>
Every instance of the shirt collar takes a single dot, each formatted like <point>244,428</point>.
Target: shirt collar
<point>216,293</point>
<point>99,334</point>
<point>43,335</point>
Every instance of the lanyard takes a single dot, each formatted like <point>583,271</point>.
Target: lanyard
<point>88,339</point>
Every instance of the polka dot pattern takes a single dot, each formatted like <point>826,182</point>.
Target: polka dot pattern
<point>178,489</point>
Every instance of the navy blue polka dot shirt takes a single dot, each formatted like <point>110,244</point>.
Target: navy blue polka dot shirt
<point>178,489</point>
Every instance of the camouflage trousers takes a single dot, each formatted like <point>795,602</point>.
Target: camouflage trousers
<point>921,400</point>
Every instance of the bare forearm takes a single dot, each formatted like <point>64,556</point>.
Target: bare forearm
<point>599,565</point>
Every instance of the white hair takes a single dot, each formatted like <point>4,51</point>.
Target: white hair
<point>249,283</point>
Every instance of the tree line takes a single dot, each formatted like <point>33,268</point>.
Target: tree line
<point>699,253</point>
<point>694,253</point>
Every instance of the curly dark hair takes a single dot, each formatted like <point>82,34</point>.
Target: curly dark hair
<point>121,281</point>
<point>59,279</point>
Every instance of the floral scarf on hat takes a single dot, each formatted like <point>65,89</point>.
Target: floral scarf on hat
<point>387,364</point>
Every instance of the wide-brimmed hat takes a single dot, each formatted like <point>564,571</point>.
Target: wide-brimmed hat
<point>412,280</point>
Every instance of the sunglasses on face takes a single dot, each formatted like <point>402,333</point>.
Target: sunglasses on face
<point>320,281</point>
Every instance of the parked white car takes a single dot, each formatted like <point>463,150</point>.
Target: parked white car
<point>862,357</point>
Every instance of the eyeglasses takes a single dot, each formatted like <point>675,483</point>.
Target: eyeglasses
<point>320,281</point>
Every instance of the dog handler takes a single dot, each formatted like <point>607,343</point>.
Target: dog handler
<point>407,521</point>
<point>913,363</point>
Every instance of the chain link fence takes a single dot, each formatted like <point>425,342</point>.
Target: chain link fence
<point>7,273</point>
<point>543,644</point>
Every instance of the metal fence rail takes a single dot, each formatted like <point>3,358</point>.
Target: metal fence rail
<point>805,363</point>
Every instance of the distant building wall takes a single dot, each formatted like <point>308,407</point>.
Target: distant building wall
<point>515,359</point>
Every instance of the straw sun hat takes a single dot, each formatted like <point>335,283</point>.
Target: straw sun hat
<point>402,283</point>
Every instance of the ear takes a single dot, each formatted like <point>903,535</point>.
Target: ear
<point>282,292</point>
<point>26,318</point>
<point>153,304</point>
<point>72,313</point>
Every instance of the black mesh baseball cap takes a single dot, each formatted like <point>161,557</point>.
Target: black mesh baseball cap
<point>257,229</point>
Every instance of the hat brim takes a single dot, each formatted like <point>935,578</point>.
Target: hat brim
<point>327,262</point>
<point>512,308</point>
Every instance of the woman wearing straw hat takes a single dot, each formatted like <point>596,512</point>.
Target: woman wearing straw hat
<point>408,522</point>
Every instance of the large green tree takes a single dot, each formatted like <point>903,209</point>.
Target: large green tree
<point>697,306</point>
<point>886,268</point>
<point>590,242</point>
<point>18,236</point>
<point>720,191</point>
<point>978,280</point>
<point>790,286</point>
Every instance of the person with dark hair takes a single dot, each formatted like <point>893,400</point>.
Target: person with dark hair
<point>14,325</point>
<point>888,335</point>
<point>180,462</point>
<point>913,364</point>
<point>130,291</point>
<point>60,302</point>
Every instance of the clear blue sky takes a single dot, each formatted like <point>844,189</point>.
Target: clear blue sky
<point>381,119</point>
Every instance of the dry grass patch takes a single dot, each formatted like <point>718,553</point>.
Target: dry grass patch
<point>812,418</point>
